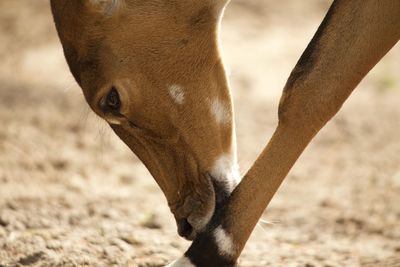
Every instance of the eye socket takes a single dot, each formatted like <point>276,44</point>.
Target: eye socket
<point>112,101</point>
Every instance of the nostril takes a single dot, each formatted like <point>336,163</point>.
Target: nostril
<point>185,229</point>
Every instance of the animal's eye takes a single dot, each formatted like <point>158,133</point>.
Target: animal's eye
<point>112,102</point>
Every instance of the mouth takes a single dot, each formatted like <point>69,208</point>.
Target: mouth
<point>202,209</point>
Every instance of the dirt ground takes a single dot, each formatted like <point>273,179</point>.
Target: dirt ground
<point>72,194</point>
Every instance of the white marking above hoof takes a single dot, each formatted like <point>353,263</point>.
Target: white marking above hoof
<point>224,242</point>
<point>182,262</point>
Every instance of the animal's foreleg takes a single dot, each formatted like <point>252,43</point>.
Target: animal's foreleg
<point>353,37</point>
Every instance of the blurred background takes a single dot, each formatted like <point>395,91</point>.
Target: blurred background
<point>72,194</point>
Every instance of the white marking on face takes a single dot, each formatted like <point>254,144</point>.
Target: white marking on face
<point>224,241</point>
<point>177,93</point>
<point>182,262</point>
<point>226,169</point>
<point>220,111</point>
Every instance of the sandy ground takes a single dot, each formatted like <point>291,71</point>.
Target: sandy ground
<point>72,194</point>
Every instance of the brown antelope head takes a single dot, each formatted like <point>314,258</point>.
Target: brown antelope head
<point>153,71</point>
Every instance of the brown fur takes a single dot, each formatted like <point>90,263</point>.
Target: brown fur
<point>142,48</point>
<point>354,36</point>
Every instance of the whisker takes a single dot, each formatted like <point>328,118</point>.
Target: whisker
<point>261,227</point>
<point>270,222</point>
<point>261,224</point>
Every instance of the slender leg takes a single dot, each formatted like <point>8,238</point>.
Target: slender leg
<point>352,38</point>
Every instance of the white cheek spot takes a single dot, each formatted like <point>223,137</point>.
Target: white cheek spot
<point>177,93</point>
<point>226,169</point>
<point>220,111</point>
<point>224,241</point>
<point>182,262</point>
